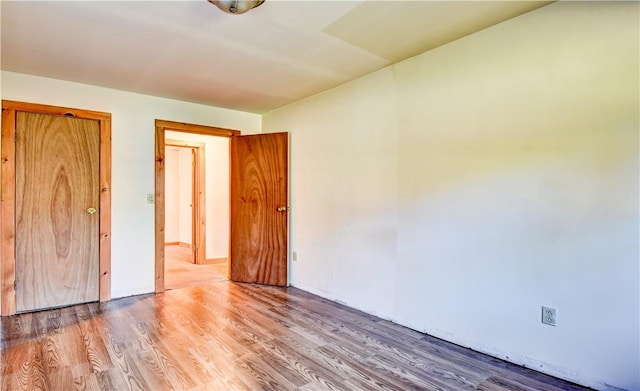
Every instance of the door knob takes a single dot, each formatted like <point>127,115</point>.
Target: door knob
<point>91,211</point>
<point>282,208</point>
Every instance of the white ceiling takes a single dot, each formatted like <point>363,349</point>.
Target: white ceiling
<point>276,54</point>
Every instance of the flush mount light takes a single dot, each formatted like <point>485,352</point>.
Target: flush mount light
<point>236,7</point>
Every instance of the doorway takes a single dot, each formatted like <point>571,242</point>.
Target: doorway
<point>196,214</point>
<point>56,206</point>
<point>213,266</point>
<point>185,201</point>
<point>258,204</point>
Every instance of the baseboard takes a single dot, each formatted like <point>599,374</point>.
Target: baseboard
<point>527,362</point>
<point>215,260</point>
<point>183,244</point>
<point>119,294</point>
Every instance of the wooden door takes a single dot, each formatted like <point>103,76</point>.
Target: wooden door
<point>259,199</point>
<point>57,219</point>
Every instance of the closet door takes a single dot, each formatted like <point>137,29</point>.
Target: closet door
<point>57,217</point>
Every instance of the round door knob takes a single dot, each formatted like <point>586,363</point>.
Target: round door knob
<point>282,209</point>
<point>91,211</point>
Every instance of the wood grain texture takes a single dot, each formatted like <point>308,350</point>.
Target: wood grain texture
<point>199,211</point>
<point>55,110</point>
<point>7,214</point>
<point>105,209</point>
<point>7,258</point>
<point>228,336</point>
<point>57,241</point>
<point>259,232</point>
<point>159,208</point>
<point>196,129</point>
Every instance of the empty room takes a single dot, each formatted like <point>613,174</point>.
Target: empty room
<point>320,195</point>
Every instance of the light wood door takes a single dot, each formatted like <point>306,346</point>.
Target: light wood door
<point>57,221</point>
<point>259,209</point>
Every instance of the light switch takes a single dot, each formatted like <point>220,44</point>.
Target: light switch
<point>151,198</point>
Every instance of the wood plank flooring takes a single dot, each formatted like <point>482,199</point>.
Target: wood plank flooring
<point>227,336</point>
<point>181,272</point>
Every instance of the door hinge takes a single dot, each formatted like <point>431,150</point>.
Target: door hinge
<point>15,285</point>
<point>15,137</point>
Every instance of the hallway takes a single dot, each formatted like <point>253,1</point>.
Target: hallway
<point>181,272</point>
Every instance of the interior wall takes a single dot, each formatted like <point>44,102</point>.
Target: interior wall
<point>133,157</point>
<point>185,195</point>
<point>471,185</point>
<point>218,204</point>
<point>217,191</point>
<point>171,196</point>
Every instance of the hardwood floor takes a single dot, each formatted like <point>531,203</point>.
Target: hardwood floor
<point>181,272</point>
<point>227,336</point>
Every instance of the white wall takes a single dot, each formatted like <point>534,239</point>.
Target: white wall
<point>218,197</point>
<point>171,196</point>
<point>133,133</point>
<point>185,195</point>
<point>459,191</point>
<point>216,191</point>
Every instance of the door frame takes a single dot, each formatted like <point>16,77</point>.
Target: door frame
<point>8,195</point>
<point>160,142</point>
<point>199,199</point>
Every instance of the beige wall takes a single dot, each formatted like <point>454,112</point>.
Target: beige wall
<point>178,195</point>
<point>459,191</point>
<point>218,204</point>
<point>185,195</point>
<point>171,196</point>
<point>178,192</point>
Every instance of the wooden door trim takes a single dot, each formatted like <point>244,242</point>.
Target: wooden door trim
<point>8,191</point>
<point>160,142</point>
<point>199,220</point>
<point>7,219</point>
<point>197,129</point>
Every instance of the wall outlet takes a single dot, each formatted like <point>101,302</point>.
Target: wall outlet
<point>549,316</point>
<point>295,256</point>
<point>151,198</point>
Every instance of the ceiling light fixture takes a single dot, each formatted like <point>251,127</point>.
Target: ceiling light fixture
<point>236,7</point>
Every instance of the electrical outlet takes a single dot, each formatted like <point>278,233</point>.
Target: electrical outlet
<point>295,256</point>
<point>151,198</point>
<point>549,316</point>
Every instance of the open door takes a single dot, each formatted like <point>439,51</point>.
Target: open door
<point>259,209</point>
